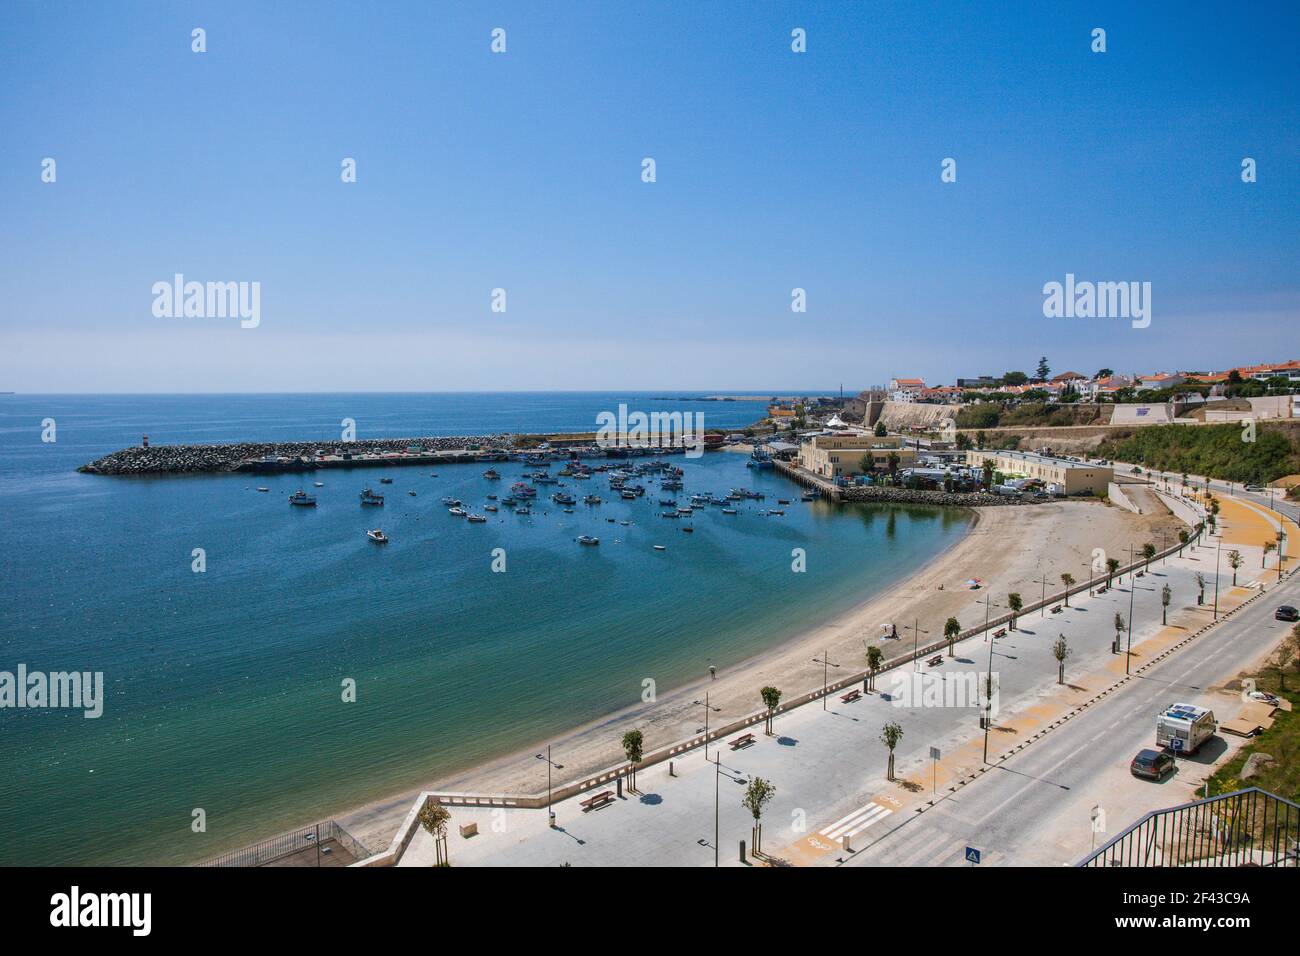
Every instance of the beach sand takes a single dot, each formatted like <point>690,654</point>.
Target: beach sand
<point>1008,549</point>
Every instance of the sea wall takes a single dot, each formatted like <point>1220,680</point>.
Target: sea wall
<point>876,494</point>
<point>185,459</point>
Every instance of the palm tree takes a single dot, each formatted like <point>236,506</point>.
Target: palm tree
<point>434,817</point>
<point>1281,540</point>
<point>951,629</point>
<point>1060,651</point>
<point>1268,546</point>
<point>987,471</point>
<point>875,657</point>
<point>757,796</point>
<point>1235,560</point>
<point>1068,580</point>
<point>1015,603</point>
<point>1148,552</point>
<point>1112,565</point>
<point>632,744</point>
<point>1119,627</point>
<point>771,697</point>
<point>1183,538</point>
<point>1166,595</point>
<point>890,736</point>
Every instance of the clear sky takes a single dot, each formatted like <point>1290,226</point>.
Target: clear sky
<point>522,170</point>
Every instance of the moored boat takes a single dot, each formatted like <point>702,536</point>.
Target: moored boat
<point>588,539</point>
<point>377,536</point>
<point>368,497</point>
<point>301,499</point>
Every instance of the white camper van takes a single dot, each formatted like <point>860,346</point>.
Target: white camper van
<point>1182,728</point>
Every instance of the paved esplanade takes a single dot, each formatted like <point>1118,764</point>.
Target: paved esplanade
<point>829,766</point>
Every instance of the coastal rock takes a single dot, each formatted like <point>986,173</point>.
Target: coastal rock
<point>876,494</point>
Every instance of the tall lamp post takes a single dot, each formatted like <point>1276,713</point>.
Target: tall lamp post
<point>550,811</point>
<point>1217,552</point>
<point>916,641</point>
<point>1042,598</point>
<point>1132,590</point>
<point>707,709</point>
<point>827,664</point>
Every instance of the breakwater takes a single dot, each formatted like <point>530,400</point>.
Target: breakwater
<point>291,456</point>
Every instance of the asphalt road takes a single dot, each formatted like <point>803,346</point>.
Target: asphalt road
<point>1035,808</point>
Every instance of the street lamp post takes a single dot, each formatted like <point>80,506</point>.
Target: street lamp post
<point>717,776</point>
<point>827,664</point>
<point>916,641</point>
<point>988,685</point>
<point>1217,552</point>
<point>1042,598</point>
<point>550,812</point>
<point>707,709</point>
<point>1132,589</point>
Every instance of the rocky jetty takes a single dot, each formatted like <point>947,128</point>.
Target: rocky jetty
<point>195,459</point>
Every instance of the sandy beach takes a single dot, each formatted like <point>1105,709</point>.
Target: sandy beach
<point>1008,549</point>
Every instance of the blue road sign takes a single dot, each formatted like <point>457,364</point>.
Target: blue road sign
<point>972,854</point>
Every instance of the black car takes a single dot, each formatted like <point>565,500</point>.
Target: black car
<point>1287,613</point>
<point>1152,764</point>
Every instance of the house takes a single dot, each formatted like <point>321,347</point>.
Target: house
<point>1147,383</point>
<point>906,389</point>
<point>835,456</point>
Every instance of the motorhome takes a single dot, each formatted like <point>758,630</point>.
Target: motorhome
<point>1182,728</point>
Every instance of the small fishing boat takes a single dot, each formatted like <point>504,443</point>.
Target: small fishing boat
<point>492,508</point>
<point>476,519</point>
<point>456,512</point>
<point>782,501</point>
<point>368,497</point>
<point>686,511</point>
<point>660,547</point>
<point>669,514</point>
<point>377,536</point>
<point>668,502</point>
<point>760,459</point>
<point>385,481</point>
<point>591,500</point>
<point>319,484</point>
<point>588,539</point>
<point>411,493</point>
<point>729,511</point>
<point>628,495</point>
<point>301,499</point>
<point>776,511</point>
<point>689,530</point>
<point>451,502</point>
<point>492,475</point>
<point>523,510</point>
<point>263,488</point>
<point>625,523</point>
<point>560,498</point>
<point>491,497</point>
<point>568,511</point>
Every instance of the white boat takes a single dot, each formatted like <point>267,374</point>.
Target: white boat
<point>492,508</point>
<point>264,488</point>
<point>319,484</point>
<point>588,539</point>
<point>660,547</point>
<point>476,519</point>
<point>457,512</point>
<point>377,536</point>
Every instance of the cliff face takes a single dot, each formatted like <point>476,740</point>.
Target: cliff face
<point>194,459</point>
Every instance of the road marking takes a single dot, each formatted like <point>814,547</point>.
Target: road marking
<point>855,822</point>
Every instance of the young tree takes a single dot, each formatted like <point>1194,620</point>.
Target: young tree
<point>757,796</point>
<point>980,439</point>
<point>866,464</point>
<point>1068,580</point>
<point>771,698</point>
<point>1015,603</point>
<point>1112,565</point>
<point>1200,588</point>
<point>1119,627</point>
<point>894,459</point>
<point>1148,552</point>
<point>1268,546</point>
<point>434,817</point>
<point>632,744</point>
<point>890,736</point>
<point>987,475</point>
<point>951,629</point>
<point>1183,538</point>
<point>963,442</point>
<point>1235,560</point>
<point>875,658</point>
<point>1166,595</point>
<point>1060,651</point>
<point>880,431</point>
<point>1282,659</point>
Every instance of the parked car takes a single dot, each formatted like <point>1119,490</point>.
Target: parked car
<point>1152,764</point>
<point>1254,488</point>
<point>1286,613</point>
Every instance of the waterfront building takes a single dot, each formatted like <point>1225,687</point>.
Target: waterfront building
<point>1071,477</point>
<point>841,454</point>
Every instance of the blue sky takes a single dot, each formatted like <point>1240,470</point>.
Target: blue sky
<point>522,171</point>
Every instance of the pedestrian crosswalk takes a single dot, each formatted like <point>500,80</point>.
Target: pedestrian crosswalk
<point>857,821</point>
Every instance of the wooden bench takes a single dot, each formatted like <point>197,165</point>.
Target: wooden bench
<point>1000,633</point>
<point>1057,609</point>
<point>851,696</point>
<point>935,661</point>
<point>596,801</point>
<point>743,740</point>
<point>468,830</point>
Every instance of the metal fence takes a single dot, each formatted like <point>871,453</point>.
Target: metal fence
<point>1250,827</point>
<point>287,844</point>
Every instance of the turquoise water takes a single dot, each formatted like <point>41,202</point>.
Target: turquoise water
<point>224,688</point>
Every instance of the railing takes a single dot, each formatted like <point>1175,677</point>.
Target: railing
<point>1250,827</point>
<point>287,844</point>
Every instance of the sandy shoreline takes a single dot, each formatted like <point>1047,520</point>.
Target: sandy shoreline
<point>1008,548</point>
